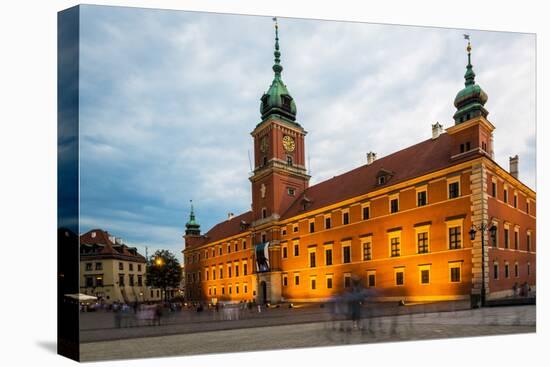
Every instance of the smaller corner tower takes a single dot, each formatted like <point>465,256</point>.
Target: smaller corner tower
<point>472,132</point>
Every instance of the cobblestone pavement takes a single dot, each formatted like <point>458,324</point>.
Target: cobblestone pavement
<point>419,326</point>
<point>100,326</point>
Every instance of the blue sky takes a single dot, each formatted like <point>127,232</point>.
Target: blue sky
<point>168,99</point>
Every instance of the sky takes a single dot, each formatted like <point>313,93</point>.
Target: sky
<point>168,100</point>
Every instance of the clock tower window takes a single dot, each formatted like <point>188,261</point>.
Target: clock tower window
<point>265,161</point>
<point>289,160</point>
<point>264,213</point>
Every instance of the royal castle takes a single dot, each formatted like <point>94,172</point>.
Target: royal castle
<point>439,220</point>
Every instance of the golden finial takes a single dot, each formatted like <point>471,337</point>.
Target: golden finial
<point>469,47</point>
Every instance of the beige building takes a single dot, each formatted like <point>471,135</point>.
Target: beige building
<point>112,271</point>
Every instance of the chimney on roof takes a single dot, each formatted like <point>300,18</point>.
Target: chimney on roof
<point>93,234</point>
<point>371,157</point>
<point>514,166</point>
<point>118,240</point>
<point>230,216</point>
<point>437,129</point>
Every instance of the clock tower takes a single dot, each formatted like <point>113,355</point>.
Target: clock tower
<point>279,177</point>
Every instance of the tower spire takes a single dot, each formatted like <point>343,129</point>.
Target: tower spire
<point>277,68</point>
<point>192,227</point>
<point>470,75</point>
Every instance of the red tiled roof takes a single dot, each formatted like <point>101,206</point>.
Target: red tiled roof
<point>227,228</point>
<point>416,160</point>
<point>109,249</point>
<point>422,158</point>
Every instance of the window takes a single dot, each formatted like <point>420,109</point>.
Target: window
<point>329,281</point>
<point>220,250</point>
<point>264,237</point>
<point>462,148</point>
<point>229,271</point>
<point>121,280</point>
<point>206,274</point>
<point>295,228</point>
<point>366,212</point>
<point>139,267</point>
<point>237,288</point>
<point>347,280</point>
<point>289,160</point>
<point>395,245</point>
<point>399,276</point>
<point>244,243</point>
<point>345,217</point>
<point>516,238</point>
<point>467,146</point>
<point>312,257</point>
<point>131,267</point>
<point>515,200</point>
<point>422,242</point>
<point>228,248</point>
<point>285,251</point>
<point>223,290</point>
<point>285,280</point>
<point>283,232</point>
<point>484,146</point>
<point>528,269</point>
<point>528,241</point>
<point>422,198</point>
<point>381,180</point>
<point>494,189</point>
<point>213,273</point>
<point>236,246</point>
<point>99,266</point>
<point>455,237</point>
<point>213,253</point>
<point>516,270</point>
<point>221,272</point>
<point>236,269</point>
<point>367,250</point>
<point>264,213</point>
<point>131,280</point>
<point>88,266</point>
<point>245,288</point>
<point>328,256</point>
<point>346,254</point>
<point>209,291</point>
<point>215,290</point>
<point>245,268</point>
<point>394,205</point>
<point>296,249</point>
<point>313,282</point>
<point>311,226</point>
<point>506,237</point>
<point>527,206</point>
<point>493,235</point>
<point>454,189</point>
<point>296,279</point>
<point>290,191</point>
<point>424,274</point>
<point>264,161</point>
<point>89,282</point>
<point>454,272</point>
<point>327,222</point>
<point>230,289</point>
<point>506,270</point>
<point>99,280</point>
<point>506,195</point>
<point>371,278</point>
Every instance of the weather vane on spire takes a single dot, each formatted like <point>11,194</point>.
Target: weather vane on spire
<point>469,47</point>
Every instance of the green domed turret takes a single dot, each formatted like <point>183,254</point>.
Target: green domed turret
<point>471,100</point>
<point>192,227</point>
<point>277,100</point>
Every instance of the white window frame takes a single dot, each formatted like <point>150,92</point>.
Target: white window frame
<point>364,241</point>
<point>390,198</point>
<point>396,270</point>
<point>422,229</point>
<point>395,234</point>
<point>346,244</point>
<point>327,277</point>
<point>363,206</point>
<point>311,279</point>
<point>346,275</point>
<point>453,265</point>
<point>328,246</point>
<point>507,227</point>
<point>345,211</point>
<point>455,223</point>
<point>422,268</point>
<point>310,250</point>
<point>516,230</point>
<point>451,180</point>
<point>371,272</point>
<point>421,189</point>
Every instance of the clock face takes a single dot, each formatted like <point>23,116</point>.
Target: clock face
<point>264,144</point>
<point>288,143</point>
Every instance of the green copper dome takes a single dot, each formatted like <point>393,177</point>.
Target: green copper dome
<point>277,100</point>
<point>192,227</point>
<point>471,100</point>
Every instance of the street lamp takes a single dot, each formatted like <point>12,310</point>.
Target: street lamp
<point>159,261</point>
<point>483,227</point>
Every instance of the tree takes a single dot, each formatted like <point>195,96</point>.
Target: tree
<point>163,271</point>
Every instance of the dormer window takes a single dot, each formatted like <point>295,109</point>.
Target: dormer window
<point>264,101</point>
<point>286,101</point>
<point>383,176</point>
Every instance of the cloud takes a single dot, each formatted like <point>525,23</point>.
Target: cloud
<point>168,99</point>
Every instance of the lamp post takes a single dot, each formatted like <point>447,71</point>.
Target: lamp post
<point>483,227</point>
